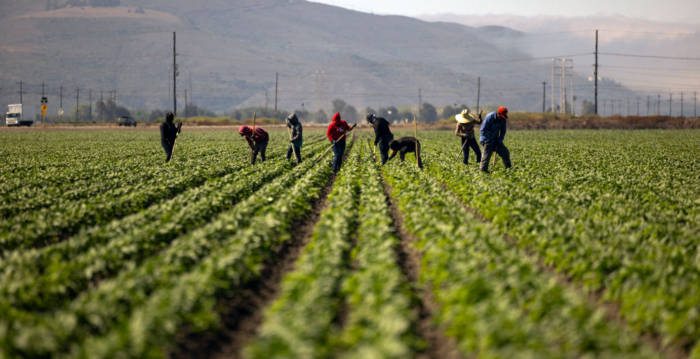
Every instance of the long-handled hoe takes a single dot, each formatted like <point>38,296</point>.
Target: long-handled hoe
<point>255,114</point>
<point>294,149</point>
<point>330,148</point>
<point>465,142</point>
<point>172,152</point>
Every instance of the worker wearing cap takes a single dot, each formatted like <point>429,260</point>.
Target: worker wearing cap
<point>493,131</point>
<point>465,130</point>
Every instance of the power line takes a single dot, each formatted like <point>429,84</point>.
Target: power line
<point>651,57</point>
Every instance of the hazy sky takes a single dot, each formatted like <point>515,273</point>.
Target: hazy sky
<point>687,11</point>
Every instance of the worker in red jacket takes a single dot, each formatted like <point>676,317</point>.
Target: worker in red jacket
<point>335,133</point>
<point>257,140</point>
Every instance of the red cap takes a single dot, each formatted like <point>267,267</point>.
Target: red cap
<point>503,112</point>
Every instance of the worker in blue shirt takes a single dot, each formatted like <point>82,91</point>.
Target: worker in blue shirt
<point>493,131</point>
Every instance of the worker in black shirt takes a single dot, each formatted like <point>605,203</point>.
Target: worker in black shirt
<point>382,135</point>
<point>168,134</point>
<point>403,146</point>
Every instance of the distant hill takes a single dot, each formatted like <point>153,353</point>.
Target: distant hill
<point>235,48</point>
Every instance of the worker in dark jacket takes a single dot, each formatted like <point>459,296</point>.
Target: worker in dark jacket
<point>493,131</point>
<point>382,135</point>
<point>168,134</point>
<point>336,134</point>
<point>257,141</point>
<point>296,139</point>
<point>465,130</point>
<point>403,146</point>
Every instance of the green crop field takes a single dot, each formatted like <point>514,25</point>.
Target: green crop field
<point>589,247</point>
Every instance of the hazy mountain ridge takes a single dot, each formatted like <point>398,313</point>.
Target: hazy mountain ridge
<point>234,49</point>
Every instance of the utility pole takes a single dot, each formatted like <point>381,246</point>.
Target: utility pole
<point>647,105</point>
<point>90,117</point>
<point>174,77</point>
<point>637,106</point>
<point>604,109</point>
<point>478,93</point>
<point>658,105</point>
<point>681,104</point>
<point>277,78</point>
<point>595,73</point>
<point>619,106</point>
<point>186,104</point>
<point>266,100</point>
<point>554,111</point>
<point>695,104</point>
<point>544,93</point>
<point>21,102</point>
<point>191,93</point>
<point>103,105</point>
<point>77,103</point>
<point>420,103</point>
<point>670,105</point>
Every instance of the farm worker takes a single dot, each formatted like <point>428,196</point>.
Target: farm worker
<point>257,140</point>
<point>403,146</point>
<point>382,135</point>
<point>493,131</point>
<point>465,130</point>
<point>296,138</point>
<point>335,133</point>
<point>168,134</point>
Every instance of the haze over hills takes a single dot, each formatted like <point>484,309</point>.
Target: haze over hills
<point>234,49</point>
<point>542,35</point>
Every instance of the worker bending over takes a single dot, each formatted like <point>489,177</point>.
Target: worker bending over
<point>382,135</point>
<point>257,141</point>
<point>493,131</point>
<point>403,146</point>
<point>465,130</point>
<point>295,137</point>
<point>336,131</point>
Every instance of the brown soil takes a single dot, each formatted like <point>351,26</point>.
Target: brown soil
<point>241,311</point>
<point>611,309</point>
<point>439,346</point>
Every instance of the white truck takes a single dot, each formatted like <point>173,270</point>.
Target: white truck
<point>14,116</point>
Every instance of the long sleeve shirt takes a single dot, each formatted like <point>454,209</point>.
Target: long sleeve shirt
<point>381,129</point>
<point>493,129</point>
<point>168,132</point>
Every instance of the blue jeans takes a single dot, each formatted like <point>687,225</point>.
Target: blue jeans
<point>339,151</point>
<point>168,147</point>
<point>474,146</point>
<point>297,152</point>
<point>384,148</point>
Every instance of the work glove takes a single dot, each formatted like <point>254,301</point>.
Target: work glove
<point>333,142</point>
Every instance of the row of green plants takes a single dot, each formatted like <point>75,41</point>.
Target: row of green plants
<point>347,296</point>
<point>617,214</point>
<point>494,298</point>
<point>58,219</point>
<point>138,312</point>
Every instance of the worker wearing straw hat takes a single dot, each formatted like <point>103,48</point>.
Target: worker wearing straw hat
<point>465,130</point>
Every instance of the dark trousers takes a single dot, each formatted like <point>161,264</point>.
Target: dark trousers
<point>471,143</point>
<point>297,152</point>
<point>501,150</point>
<point>402,155</point>
<point>338,151</point>
<point>168,147</point>
<point>260,147</point>
<point>384,148</point>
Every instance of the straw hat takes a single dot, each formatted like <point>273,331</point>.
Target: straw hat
<point>464,117</point>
